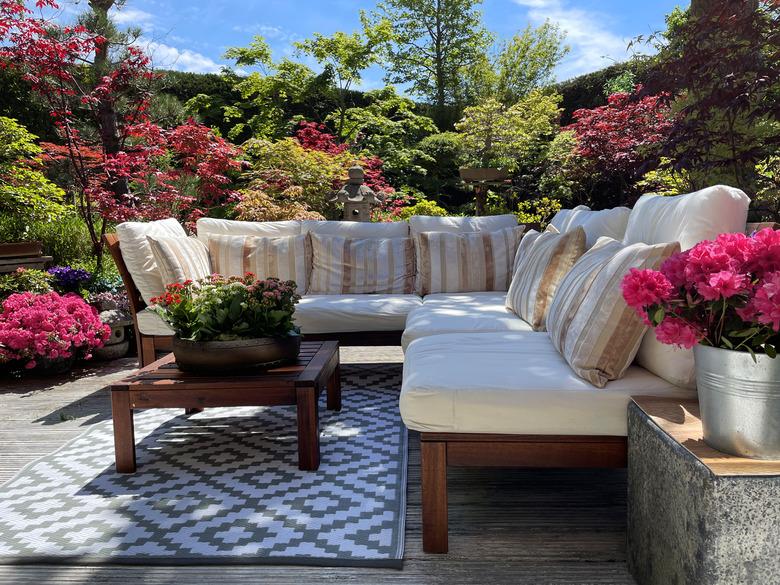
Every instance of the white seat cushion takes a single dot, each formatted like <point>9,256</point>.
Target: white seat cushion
<point>137,253</point>
<point>605,222</point>
<point>461,313</point>
<point>357,229</point>
<point>513,383</point>
<point>460,225</point>
<point>150,323</point>
<point>350,313</point>
<point>210,226</point>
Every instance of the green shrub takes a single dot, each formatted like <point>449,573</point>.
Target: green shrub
<point>537,212</point>
<point>66,238</point>
<point>438,156</point>
<point>25,280</point>
<point>424,207</point>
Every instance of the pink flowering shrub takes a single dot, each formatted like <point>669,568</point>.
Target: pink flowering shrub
<point>724,293</point>
<point>48,326</point>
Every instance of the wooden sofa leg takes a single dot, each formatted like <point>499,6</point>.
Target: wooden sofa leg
<point>434,496</point>
<point>147,353</point>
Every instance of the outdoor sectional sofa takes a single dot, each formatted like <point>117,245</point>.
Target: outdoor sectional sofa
<point>480,385</point>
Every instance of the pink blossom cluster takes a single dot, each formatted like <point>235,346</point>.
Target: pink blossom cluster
<point>721,292</point>
<point>48,326</point>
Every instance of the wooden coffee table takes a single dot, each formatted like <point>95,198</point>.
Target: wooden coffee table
<point>162,385</point>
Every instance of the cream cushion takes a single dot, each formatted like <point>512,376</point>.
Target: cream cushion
<point>361,265</point>
<point>209,226</point>
<point>150,323</point>
<point>589,322</point>
<point>350,313</point>
<point>284,257</point>
<point>542,262</point>
<point>605,222</point>
<point>465,262</point>
<point>513,383</point>
<point>461,312</point>
<point>487,223</point>
<point>357,229</point>
<point>180,259</point>
<point>688,219</point>
<point>137,253</point>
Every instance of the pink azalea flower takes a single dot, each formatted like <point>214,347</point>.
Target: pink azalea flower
<point>674,331</point>
<point>722,285</point>
<point>767,301</point>
<point>643,288</point>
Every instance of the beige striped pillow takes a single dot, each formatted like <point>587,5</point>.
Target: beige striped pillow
<point>180,259</point>
<point>361,265</point>
<point>466,262</point>
<point>283,257</point>
<point>542,262</point>
<point>589,322</point>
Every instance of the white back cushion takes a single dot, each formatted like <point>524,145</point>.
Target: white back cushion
<point>605,222</point>
<point>357,229</point>
<point>137,253</point>
<point>688,219</point>
<point>487,223</point>
<point>210,226</point>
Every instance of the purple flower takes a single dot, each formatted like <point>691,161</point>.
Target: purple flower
<point>68,279</point>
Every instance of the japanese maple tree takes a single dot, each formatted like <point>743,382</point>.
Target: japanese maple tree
<point>618,139</point>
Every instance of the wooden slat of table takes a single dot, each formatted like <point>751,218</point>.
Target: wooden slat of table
<point>680,419</point>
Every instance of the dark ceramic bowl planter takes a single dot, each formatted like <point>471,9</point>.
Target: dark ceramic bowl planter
<point>238,354</point>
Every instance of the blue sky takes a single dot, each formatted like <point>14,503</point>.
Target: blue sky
<point>192,35</point>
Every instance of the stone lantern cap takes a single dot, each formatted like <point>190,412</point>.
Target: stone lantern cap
<point>355,191</point>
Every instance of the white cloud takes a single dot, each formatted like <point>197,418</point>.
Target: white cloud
<point>593,44</point>
<point>276,33</point>
<point>168,57</point>
<point>132,17</point>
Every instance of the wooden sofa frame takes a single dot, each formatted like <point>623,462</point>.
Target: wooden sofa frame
<point>150,345</point>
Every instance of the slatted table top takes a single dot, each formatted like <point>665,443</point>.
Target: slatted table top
<point>681,420</point>
<point>163,374</point>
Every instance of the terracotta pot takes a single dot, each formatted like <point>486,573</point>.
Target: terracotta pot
<point>239,354</point>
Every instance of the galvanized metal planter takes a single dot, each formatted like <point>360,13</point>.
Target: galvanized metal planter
<point>240,354</point>
<point>740,401</point>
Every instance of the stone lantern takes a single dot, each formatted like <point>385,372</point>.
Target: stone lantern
<point>358,199</point>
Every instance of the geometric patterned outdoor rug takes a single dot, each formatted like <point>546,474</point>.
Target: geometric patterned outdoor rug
<point>223,486</point>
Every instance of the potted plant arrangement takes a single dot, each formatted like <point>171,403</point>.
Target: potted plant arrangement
<point>229,323</point>
<point>722,298</point>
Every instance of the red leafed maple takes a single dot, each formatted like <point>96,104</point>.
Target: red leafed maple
<point>314,136</point>
<point>616,138</point>
<point>137,170</point>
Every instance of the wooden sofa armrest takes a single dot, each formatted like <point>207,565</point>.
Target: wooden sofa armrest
<point>137,303</point>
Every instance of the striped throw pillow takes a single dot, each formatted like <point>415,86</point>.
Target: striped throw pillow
<point>589,322</point>
<point>283,257</point>
<point>361,265</point>
<point>466,262</point>
<point>543,259</point>
<point>180,259</point>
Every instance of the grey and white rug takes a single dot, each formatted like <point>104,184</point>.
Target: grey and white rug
<point>222,486</point>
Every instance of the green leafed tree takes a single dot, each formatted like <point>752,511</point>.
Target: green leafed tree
<point>433,42</point>
<point>524,63</point>
<point>25,192</point>
<point>344,57</point>
<point>267,97</point>
<point>389,127</point>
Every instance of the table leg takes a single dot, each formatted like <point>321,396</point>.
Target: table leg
<point>308,429</point>
<point>124,433</point>
<point>334,390</point>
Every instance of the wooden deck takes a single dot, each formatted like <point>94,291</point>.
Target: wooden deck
<point>506,526</point>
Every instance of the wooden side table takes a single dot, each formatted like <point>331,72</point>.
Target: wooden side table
<point>696,515</point>
<point>162,385</point>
